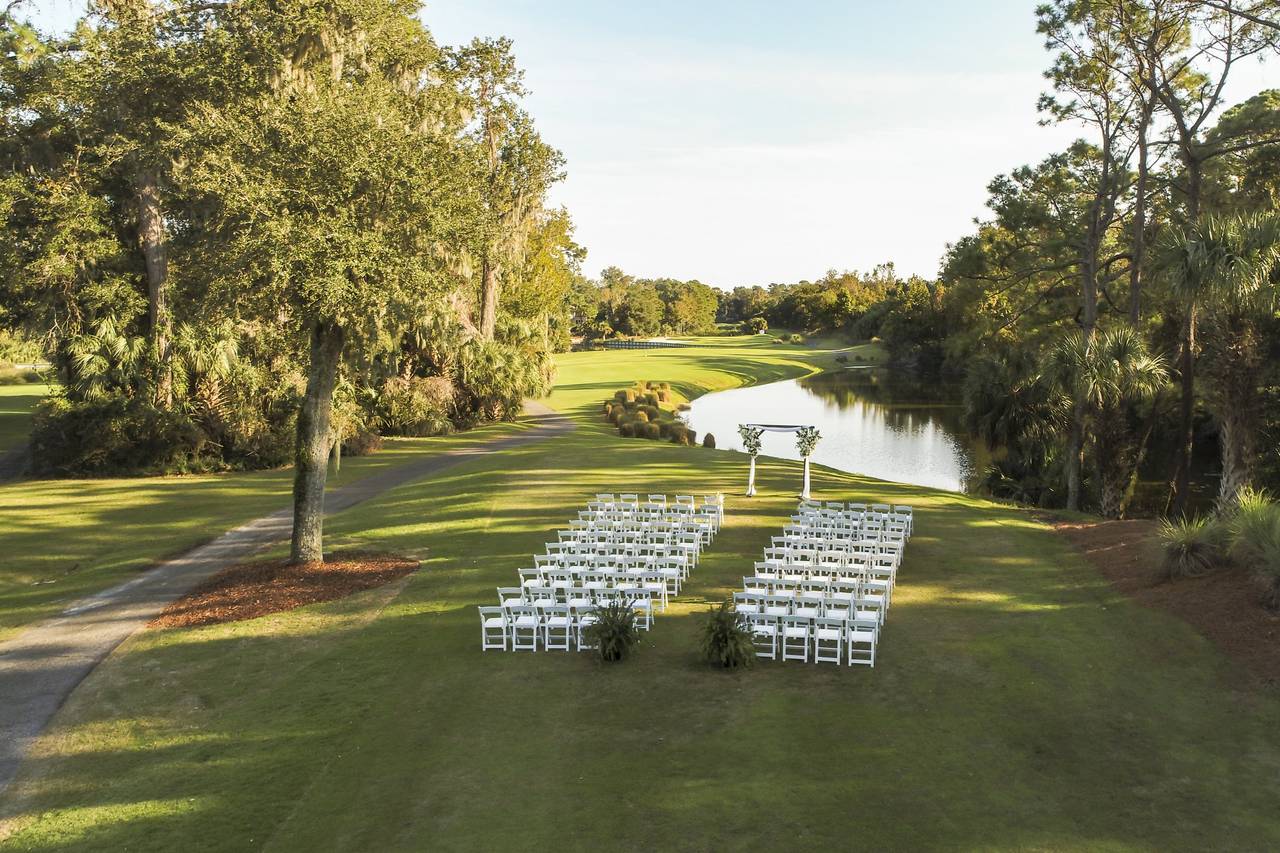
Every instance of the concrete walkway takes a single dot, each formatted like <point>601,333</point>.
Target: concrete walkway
<point>41,666</point>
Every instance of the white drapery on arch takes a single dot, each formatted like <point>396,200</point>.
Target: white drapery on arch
<point>751,475</point>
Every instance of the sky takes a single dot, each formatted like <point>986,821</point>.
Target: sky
<point>753,142</point>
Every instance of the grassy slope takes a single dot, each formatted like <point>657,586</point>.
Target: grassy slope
<point>16,404</point>
<point>62,539</point>
<point>1017,702</point>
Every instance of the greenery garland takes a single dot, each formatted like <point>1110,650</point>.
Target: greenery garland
<point>807,440</point>
<point>750,438</point>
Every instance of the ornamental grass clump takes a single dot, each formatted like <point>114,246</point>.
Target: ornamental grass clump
<point>614,633</point>
<point>726,638</point>
<point>1255,534</point>
<point>1190,547</point>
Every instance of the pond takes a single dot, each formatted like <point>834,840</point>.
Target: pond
<point>876,422</point>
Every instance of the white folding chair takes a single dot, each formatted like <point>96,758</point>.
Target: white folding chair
<point>861,637</point>
<point>525,627</point>
<point>764,635</point>
<point>795,637</point>
<point>493,628</point>
<point>828,639</point>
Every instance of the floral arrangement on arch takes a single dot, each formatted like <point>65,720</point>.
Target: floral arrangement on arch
<point>750,438</point>
<point>807,440</point>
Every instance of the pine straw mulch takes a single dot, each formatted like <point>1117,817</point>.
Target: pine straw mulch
<point>249,590</point>
<point>1225,605</point>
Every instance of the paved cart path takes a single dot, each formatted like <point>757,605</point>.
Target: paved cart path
<point>41,666</point>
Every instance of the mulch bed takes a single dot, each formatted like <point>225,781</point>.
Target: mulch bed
<point>1225,605</point>
<point>255,589</point>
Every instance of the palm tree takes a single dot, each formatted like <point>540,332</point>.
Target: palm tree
<point>1228,267</point>
<point>1099,379</point>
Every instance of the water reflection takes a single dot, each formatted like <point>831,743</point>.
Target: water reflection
<point>880,423</point>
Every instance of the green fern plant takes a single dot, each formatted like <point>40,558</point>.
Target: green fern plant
<point>726,638</point>
<point>614,633</point>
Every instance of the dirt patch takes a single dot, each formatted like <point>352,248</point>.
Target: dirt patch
<point>255,589</point>
<point>1225,605</point>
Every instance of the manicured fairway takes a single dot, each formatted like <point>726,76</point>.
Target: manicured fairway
<point>1017,701</point>
<point>16,405</point>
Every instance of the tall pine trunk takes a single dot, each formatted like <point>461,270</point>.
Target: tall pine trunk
<point>314,437</point>
<point>1139,240</point>
<point>155,255</point>
<point>1181,486</point>
<point>489,300</point>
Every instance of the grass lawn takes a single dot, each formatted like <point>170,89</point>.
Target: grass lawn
<point>1017,701</point>
<point>16,404</point>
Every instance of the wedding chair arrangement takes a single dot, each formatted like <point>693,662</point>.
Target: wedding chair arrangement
<point>823,589</point>
<point>621,548</point>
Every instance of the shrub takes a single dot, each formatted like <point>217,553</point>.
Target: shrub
<point>678,432</point>
<point>608,407</point>
<point>652,412</point>
<point>640,416</point>
<point>795,338</point>
<point>1255,530</point>
<point>1190,547</point>
<point>614,633</point>
<point>709,441</point>
<point>119,435</point>
<point>18,376</point>
<point>651,430</point>
<point>726,638</point>
<point>650,399</point>
<point>664,428</point>
<point>755,326</point>
<point>690,437</point>
<point>362,443</point>
<point>416,406</point>
<point>620,396</point>
<point>627,429</point>
<point>628,396</point>
<point>616,414</point>
<point>842,359</point>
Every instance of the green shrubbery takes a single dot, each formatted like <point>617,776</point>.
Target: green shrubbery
<point>709,441</point>
<point>416,406</point>
<point>1248,535</point>
<point>118,435</point>
<point>1191,547</point>
<point>754,326</point>
<point>726,638</point>
<point>614,633</point>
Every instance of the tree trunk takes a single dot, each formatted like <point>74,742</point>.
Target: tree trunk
<point>314,436</point>
<point>1181,485</point>
<point>489,300</point>
<point>1139,242</point>
<point>1075,453</point>
<point>1236,440</point>
<point>155,254</point>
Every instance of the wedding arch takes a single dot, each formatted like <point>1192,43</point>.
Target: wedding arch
<point>807,437</point>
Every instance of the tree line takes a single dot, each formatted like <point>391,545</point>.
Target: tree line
<point>251,231</point>
<point>1122,293</point>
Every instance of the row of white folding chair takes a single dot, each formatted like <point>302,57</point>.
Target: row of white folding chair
<point>880,574</point>
<point>609,558</point>
<point>878,590</point>
<point>703,528</point>
<point>812,603</point>
<point>608,577</point>
<point>605,543</point>
<point>822,639</point>
<point>865,521</point>
<point>645,599</point>
<point>863,552</point>
<point>650,591</point>
<point>526,627</point>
